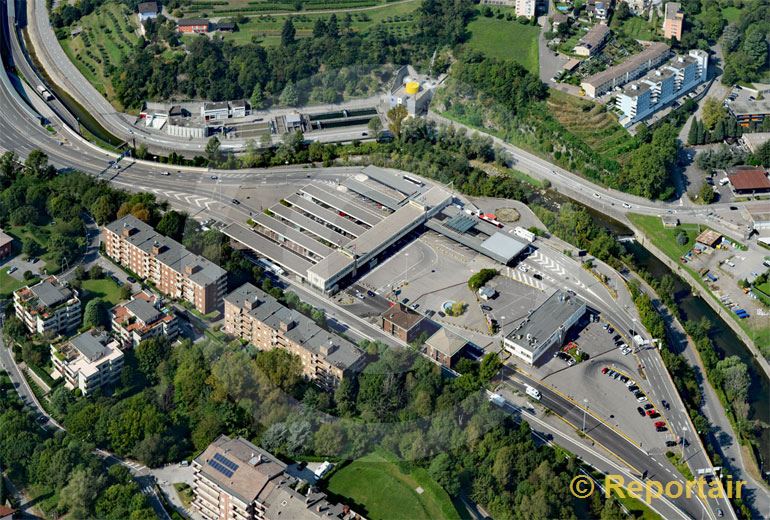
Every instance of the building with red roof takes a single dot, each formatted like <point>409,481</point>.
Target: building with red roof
<point>748,180</point>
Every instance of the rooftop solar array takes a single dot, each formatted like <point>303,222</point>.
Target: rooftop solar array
<point>223,465</point>
<point>460,223</point>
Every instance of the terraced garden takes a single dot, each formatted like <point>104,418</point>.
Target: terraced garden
<point>104,40</point>
<point>591,123</point>
<point>397,18</point>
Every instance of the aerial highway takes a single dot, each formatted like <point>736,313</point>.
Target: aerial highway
<point>20,132</point>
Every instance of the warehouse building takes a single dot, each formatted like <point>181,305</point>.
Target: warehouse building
<point>545,327</point>
<point>748,180</point>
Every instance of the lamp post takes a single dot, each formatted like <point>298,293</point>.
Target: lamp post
<point>585,402</point>
<point>406,268</point>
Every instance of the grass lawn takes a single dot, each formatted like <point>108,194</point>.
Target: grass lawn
<point>638,508</point>
<point>185,493</point>
<point>37,234</point>
<point>8,283</point>
<point>106,38</point>
<point>103,288</point>
<point>732,14</point>
<point>506,41</point>
<point>638,28</point>
<point>590,122</point>
<point>378,485</point>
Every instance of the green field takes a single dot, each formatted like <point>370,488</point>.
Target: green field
<point>106,38</point>
<point>8,283</point>
<point>590,122</point>
<point>103,288</point>
<point>506,40</point>
<point>397,18</point>
<point>385,492</point>
<point>638,28</point>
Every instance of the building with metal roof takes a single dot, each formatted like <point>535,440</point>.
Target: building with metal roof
<point>545,326</point>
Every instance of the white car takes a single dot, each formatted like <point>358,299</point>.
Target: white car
<point>523,268</point>
<point>627,205</point>
<point>164,172</point>
<point>12,270</point>
<point>630,383</point>
<point>626,351</point>
<point>641,398</point>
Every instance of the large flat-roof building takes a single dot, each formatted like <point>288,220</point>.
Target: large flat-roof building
<point>326,235</point>
<point>88,361</point>
<point>234,479</point>
<point>253,315</point>
<point>141,318</point>
<point>642,98</point>
<point>175,271</point>
<point>545,326</point>
<point>48,307</point>
<point>748,106</point>
<point>634,67</point>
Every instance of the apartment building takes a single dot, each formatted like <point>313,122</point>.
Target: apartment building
<point>527,8</point>
<point>141,318</point>
<point>592,41</point>
<point>234,479</point>
<point>655,90</point>
<point>88,361</point>
<point>673,21</point>
<point>631,69</point>
<point>48,307</point>
<point>255,316</point>
<point>168,265</point>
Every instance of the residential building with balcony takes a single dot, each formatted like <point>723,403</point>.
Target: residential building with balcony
<point>658,88</point>
<point>165,263</point>
<point>593,41</point>
<point>632,68</point>
<point>141,318</point>
<point>253,315</point>
<point>234,479</point>
<point>673,21</point>
<point>48,307</point>
<point>88,361</point>
<point>526,8</point>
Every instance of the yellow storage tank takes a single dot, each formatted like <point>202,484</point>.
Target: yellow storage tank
<point>412,87</point>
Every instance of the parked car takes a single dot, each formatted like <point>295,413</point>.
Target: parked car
<point>537,276</point>
<point>670,444</point>
<point>651,412</point>
<point>665,404</point>
<point>633,389</point>
<point>430,313</point>
<point>642,398</point>
<point>405,301</point>
<point>639,409</point>
<point>131,279</point>
<point>371,293</point>
<point>486,308</point>
<point>631,383</point>
<point>605,370</point>
<point>658,424</point>
<point>623,379</point>
<point>648,406</point>
<point>441,314</point>
<point>12,269</point>
<point>661,429</point>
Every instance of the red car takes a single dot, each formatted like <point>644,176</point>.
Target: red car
<point>604,370</point>
<point>660,424</point>
<point>651,412</point>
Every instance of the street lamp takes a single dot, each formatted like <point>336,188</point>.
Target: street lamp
<point>406,268</point>
<point>585,402</point>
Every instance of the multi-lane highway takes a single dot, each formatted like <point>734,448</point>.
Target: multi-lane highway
<point>21,133</point>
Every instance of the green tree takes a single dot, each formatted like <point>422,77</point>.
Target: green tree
<point>96,314</point>
<point>172,224</point>
<point>713,111</point>
<point>707,194</point>
<point>31,248</point>
<point>396,116</point>
<point>289,96</point>
<point>257,98</point>
<point>78,496</point>
<point>150,354</point>
<point>692,134</point>
<point>755,48</point>
<point>288,33</point>
<point>213,151</point>
<point>104,209</point>
<point>375,124</point>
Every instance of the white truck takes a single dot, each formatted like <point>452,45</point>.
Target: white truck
<point>534,393</point>
<point>44,93</point>
<point>526,234</point>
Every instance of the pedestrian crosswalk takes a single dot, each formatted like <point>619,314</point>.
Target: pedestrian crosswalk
<point>187,198</point>
<point>134,466</point>
<point>524,278</point>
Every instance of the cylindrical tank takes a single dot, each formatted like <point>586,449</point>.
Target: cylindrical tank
<point>412,87</point>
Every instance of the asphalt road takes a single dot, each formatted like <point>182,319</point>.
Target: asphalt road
<point>19,132</point>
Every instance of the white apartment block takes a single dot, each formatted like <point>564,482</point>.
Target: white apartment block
<point>655,90</point>
<point>48,307</point>
<point>527,8</point>
<point>88,361</point>
<point>142,318</point>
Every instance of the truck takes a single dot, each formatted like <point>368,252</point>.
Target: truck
<point>534,393</point>
<point>270,266</point>
<point>497,399</point>
<point>44,93</point>
<point>527,235</point>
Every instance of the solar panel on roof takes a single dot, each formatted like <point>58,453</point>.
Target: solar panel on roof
<point>460,223</point>
<point>220,468</point>
<point>225,461</point>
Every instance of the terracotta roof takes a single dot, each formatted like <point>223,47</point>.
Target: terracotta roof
<point>402,317</point>
<point>5,511</point>
<point>750,178</point>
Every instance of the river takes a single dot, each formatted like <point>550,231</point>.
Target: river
<point>692,307</point>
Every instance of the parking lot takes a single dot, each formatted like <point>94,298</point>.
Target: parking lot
<point>606,396</point>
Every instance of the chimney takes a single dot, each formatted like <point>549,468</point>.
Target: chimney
<point>328,348</point>
<point>157,248</point>
<point>286,326</point>
<point>191,269</point>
